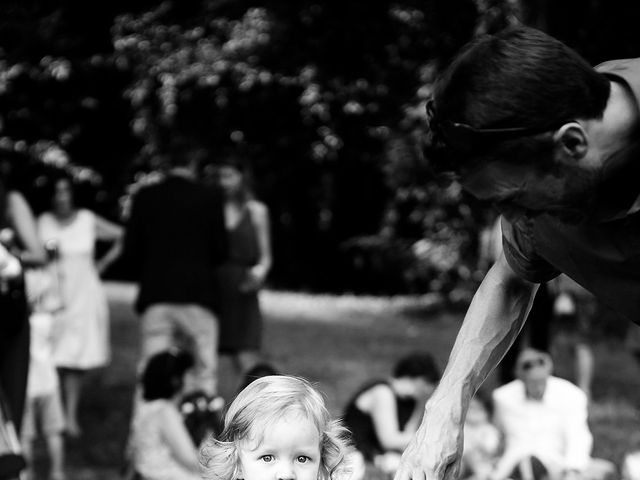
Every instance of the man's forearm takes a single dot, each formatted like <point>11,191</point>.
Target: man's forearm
<point>494,319</point>
<point>496,315</point>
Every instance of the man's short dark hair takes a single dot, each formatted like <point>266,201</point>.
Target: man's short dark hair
<point>417,365</point>
<point>520,77</point>
<point>164,373</point>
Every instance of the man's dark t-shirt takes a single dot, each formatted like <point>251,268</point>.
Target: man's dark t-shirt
<point>175,239</point>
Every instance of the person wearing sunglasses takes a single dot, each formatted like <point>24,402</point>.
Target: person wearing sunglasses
<point>522,121</point>
<point>543,420</point>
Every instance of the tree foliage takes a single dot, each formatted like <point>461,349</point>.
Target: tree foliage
<point>324,99</point>
<point>314,94</point>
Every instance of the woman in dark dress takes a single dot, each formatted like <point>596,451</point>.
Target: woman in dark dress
<point>244,273</point>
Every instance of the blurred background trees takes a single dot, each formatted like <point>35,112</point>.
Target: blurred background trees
<point>324,99</point>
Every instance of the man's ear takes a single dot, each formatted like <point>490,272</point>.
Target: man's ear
<point>571,141</point>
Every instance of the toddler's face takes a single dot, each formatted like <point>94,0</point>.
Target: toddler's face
<point>290,449</point>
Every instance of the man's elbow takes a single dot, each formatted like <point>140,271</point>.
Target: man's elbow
<point>511,281</point>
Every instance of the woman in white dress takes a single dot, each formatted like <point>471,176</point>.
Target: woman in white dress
<point>81,335</point>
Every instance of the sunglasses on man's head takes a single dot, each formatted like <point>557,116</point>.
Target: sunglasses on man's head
<point>466,138</point>
<point>529,364</point>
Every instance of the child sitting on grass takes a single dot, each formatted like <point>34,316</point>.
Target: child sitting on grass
<point>277,427</point>
<point>161,446</point>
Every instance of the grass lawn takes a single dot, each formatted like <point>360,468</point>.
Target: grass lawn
<point>337,342</point>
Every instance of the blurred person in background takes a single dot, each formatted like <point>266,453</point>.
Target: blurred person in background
<point>19,248</point>
<point>384,414</point>
<point>482,440</point>
<point>161,446</point>
<point>174,240</point>
<point>43,412</point>
<point>522,121</point>
<point>544,417</point>
<point>81,333</point>
<point>575,310</point>
<point>243,274</point>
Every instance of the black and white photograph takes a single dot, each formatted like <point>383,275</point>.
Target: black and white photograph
<point>319,240</point>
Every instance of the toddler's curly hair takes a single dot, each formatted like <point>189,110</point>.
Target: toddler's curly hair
<point>256,408</point>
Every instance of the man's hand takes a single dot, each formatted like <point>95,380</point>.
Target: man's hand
<point>436,449</point>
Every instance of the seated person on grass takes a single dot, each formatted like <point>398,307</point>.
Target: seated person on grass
<point>162,448</point>
<point>544,422</point>
<point>384,414</point>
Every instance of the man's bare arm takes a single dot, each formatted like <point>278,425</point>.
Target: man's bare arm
<point>494,319</point>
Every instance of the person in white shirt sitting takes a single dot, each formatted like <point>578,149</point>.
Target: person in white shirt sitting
<point>544,423</point>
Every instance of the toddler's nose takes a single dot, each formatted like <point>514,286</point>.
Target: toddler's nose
<point>286,471</point>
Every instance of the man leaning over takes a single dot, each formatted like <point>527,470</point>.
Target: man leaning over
<point>524,122</point>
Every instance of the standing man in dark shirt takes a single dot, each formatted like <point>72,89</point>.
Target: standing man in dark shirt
<point>175,238</point>
<point>524,122</point>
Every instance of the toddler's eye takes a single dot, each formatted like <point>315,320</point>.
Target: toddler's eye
<point>303,459</point>
<point>267,458</point>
